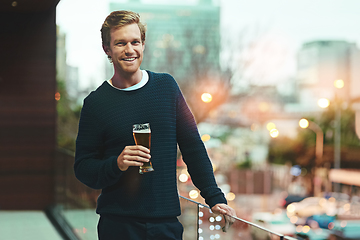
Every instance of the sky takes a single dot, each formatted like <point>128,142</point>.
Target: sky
<point>279,27</point>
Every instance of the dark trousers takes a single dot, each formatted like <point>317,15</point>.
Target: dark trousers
<point>125,228</point>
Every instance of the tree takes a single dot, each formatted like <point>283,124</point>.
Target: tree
<point>192,57</point>
<point>284,149</point>
<point>348,133</point>
<point>301,150</point>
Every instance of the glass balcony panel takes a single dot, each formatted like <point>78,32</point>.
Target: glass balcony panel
<point>75,204</point>
<point>189,219</point>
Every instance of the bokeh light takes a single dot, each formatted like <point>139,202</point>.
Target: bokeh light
<point>205,137</point>
<point>303,123</point>
<point>183,177</point>
<point>230,196</point>
<point>270,126</point>
<point>206,97</point>
<point>306,229</point>
<point>193,194</point>
<point>274,133</point>
<point>323,102</point>
<point>57,96</point>
<point>339,83</point>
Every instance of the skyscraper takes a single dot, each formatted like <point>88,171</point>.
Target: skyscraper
<point>320,63</point>
<point>183,40</point>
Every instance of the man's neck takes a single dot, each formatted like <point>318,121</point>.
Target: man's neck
<point>126,80</point>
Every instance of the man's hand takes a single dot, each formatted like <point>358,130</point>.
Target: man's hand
<point>222,208</point>
<point>133,156</point>
<point>228,213</point>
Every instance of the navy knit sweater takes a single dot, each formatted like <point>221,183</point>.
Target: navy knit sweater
<point>105,129</point>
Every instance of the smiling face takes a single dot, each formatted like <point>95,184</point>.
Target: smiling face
<point>126,49</point>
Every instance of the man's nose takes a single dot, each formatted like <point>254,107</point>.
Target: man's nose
<point>129,48</point>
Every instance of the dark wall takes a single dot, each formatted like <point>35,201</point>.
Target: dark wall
<point>27,109</point>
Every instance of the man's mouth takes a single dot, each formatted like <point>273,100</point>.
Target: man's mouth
<point>129,59</point>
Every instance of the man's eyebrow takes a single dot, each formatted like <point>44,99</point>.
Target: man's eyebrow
<point>119,40</point>
<point>123,40</point>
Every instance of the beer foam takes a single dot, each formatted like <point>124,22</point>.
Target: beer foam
<point>142,128</point>
<point>142,131</point>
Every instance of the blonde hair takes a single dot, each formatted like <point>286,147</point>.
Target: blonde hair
<point>118,19</point>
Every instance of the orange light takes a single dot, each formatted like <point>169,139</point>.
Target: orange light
<point>205,137</point>
<point>57,96</point>
<point>230,196</point>
<point>294,219</point>
<point>206,97</point>
<point>306,229</point>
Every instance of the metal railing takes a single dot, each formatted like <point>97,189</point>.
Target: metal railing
<point>74,211</point>
<point>246,227</point>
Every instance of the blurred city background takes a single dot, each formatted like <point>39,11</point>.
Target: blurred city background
<point>274,86</point>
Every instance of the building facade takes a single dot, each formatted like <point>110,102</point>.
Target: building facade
<point>320,64</point>
<point>183,40</point>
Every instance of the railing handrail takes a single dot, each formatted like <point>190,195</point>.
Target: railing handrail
<point>71,154</point>
<point>237,218</point>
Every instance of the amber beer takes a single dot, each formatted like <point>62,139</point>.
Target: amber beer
<point>142,136</point>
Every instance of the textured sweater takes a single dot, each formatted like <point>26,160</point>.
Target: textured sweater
<point>105,128</point>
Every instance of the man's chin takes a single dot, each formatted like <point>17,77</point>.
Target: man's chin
<point>129,70</point>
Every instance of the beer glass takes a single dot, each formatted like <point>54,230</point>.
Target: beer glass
<point>142,136</point>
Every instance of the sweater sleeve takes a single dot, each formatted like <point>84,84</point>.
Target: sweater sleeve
<point>195,155</point>
<point>90,167</point>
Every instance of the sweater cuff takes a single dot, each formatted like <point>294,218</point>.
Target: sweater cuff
<point>220,198</point>
<point>115,167</point>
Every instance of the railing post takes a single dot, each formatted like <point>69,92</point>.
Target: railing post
<point>197,222</point>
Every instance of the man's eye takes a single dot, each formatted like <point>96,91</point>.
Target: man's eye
<point>121,43</point>
<point>136,42</point>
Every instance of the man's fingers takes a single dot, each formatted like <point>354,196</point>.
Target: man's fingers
<point>133,163</point>
<point>228,213</point>
<point>137,158</point>
<point>228,222</point>
<point>136,153</point>
<point>133,156</point>
<point>139,148</point>
<point>230,219</point>
<point>224,209</point>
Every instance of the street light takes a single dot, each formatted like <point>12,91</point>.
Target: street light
<point>339,84</point>
<point>303,123</point>
<point>319,144</point>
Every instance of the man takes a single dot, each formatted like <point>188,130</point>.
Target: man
<point>133,205</point>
